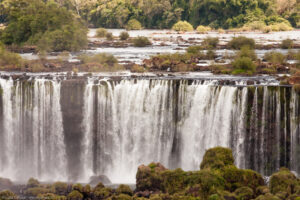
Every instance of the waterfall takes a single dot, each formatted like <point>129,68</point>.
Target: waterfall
<point>73,129</point>
<point>31,130</point>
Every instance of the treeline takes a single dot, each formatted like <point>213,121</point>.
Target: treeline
<point>165,13</point>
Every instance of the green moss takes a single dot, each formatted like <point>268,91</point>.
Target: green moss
<point>32,183</point>
<point>102,193</point>
<point>267,197</point>
<point>60,187</point>
<point>283,181</point>
<point>244,193</point>
<point>6,194</point>
<point>236,178</point>
<point>122,197</point>
<point>124,189</point>
<point>75,195</point>
<point>37,190</point>
<point>78,187</point>
<point>217,158</point>
<point>51,196</point>
<point>215,197</point>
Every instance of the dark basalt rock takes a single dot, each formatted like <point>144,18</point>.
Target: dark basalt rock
<point>94,180</point>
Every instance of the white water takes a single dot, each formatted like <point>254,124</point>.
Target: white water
<point>133,122</point>
<point>32,131</point>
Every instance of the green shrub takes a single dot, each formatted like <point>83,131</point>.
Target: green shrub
<point>60,187</point>
<point>75,195</point>
<point>102,193</point>
<point>194,49</point>
<point>239,42</point>
<point>109,36</point>
<point>246,52</point>
<point>8,58</point>
<point>124,35</point>
<point>216,158</point>
<point>210,54</point>
<point>275,57</point>
<point>141,41</point>
<point>203,29</point>
<point>101,32</point>
<point>101,58</point>
<point>256,25</point>
<point>287,44</point>
<point>244,66</point>
<point>137,69</point>
<point>133,24</point>
<point>210,42</point>
<point>182,26</point>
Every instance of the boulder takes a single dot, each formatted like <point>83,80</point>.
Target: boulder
<point>217,158</point>
<point>283,181</point>
<point>94,180</point>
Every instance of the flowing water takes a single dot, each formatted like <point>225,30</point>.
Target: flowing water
<point>72,128</point>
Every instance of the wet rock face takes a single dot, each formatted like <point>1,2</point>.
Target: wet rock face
<point>72,92</point>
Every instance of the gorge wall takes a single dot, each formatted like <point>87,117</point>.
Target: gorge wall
<point>69,130</point>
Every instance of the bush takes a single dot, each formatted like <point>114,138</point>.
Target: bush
<point>36,191</point>
<point>137,69</point>
<point>60,187</point>
<point>246,52</point>
<point>210,42</point>
<point>141,41</point>
<point>287,44</point>
<point>101,58</point>
<point>239,42</point>
<point>53,29</point>
<point>256,25</point>
<point>133,24</point>
<point>8,58</point>
<point>124,35</point>
<point>244,66</point>
<point>182,26</point>
<point>203,29</point>
<point>101,32</point>
<point>109,36</point>
<point>193,49</point>
<point>275,57</point>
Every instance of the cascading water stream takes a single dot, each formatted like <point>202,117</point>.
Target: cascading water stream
<point>32,130</point>
<point>75,129</point>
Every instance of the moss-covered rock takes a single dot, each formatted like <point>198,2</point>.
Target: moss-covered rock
<point>78,187</point>
<point>75,195</point>
<point>267,196</point>
<point>60,188</point>
<point>124,189</point>
<point>282,195</point>
<point>283,181</point>
<point>236,178</point>
<point>6,194</point>
<point>34,192</point>
<point>51,196</point>
<point>215,197</point>
<point>244,193</point>
<point>31,183</point>
<point>149,178</point>
<point>217,158</point>
<point>121,197</point>
<point>102,193</point>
